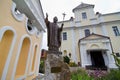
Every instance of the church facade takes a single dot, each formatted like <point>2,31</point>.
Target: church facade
<point>21,31</point>
<point>91,37</point>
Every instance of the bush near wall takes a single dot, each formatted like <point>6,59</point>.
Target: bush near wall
<point>80,75</point>
<point>73,64</point>
<point>41,67</point>
<point>66,59</point>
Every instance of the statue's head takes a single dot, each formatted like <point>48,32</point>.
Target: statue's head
<point>55,19</point>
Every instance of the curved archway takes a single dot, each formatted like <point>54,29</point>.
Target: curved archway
<point>94,46</point>
<point>7,41</point>
<point>22,61</point>
<point>5,46</point>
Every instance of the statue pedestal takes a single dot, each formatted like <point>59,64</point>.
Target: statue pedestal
<point>55,68</point>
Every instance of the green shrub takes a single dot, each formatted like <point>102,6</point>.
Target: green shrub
<point>80,75</point>
<point>41,67</point>
<point>73,64</point>
<point>66,59</point>
<point>113,75</point>
<point>117,60</point>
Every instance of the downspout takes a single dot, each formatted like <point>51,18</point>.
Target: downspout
<point>111,45</point>
<point>79,52</point>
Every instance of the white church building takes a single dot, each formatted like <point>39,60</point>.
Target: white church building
<point>91,37</point>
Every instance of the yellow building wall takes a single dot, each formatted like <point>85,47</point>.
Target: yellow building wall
<point>114,39</point>
<point>111,17</point>
<point>7,19</point>
<point>77,37</point>
<point>67,44</point>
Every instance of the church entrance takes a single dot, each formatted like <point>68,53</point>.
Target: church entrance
<point>97,59</point>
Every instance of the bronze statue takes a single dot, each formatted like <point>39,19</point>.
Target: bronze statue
<point>54,34</point>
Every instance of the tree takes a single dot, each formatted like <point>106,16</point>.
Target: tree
<point>117,60</point>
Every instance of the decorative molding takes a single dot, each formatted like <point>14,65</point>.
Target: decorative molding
<point>18,17</point>
<point>31,73</point>
<point>37,60</point>
<point>38,33</point>
<point>33,28</point>
<point>77,21</point>
<point>38,16</point>
<point>32,54</point>
<point>93,19</point>
<point>38,57</point>
<point>21,78</point>
<point>29,53</point>
<point>94,41</point>
<point>2,31</point>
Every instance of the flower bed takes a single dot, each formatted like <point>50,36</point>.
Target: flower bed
<point>95,75</point>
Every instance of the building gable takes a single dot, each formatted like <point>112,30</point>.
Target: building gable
<point>94,36</point>
<point>83,5</point>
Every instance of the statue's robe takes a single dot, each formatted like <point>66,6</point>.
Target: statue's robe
<point>54,35</point>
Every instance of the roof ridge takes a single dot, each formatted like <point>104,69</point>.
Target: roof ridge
<point>82,5</point>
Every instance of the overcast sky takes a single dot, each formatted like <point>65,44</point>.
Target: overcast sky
<point>57,7</point>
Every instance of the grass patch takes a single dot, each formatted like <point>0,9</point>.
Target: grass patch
<point>83,75</point>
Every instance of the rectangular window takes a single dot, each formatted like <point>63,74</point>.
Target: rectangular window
<point>116,31</point>
<point>87,32</point>
<point>64,35</point>
<point>84,15</point>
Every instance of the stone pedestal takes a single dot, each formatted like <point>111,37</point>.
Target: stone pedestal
<point>55,68</point>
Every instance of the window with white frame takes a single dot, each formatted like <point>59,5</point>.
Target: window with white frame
<point>84,15</point>
<point>87,32</point>
<point>116,31</point>
<point>64,35</point>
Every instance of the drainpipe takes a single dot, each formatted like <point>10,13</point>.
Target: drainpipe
<point>79,52</point>
<point>111,45</point>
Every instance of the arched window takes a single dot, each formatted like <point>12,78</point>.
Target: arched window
<point>22,61</point>
<point>5,45</point>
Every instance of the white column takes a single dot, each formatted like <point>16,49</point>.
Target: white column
<point>83,55</point>
<point>104,31</point>
<point>80,32</point>
<point>94,29</point>
<point>88,59</point>
<point>110,57</point>
<point>74,55</point>
<point>104,53</point>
